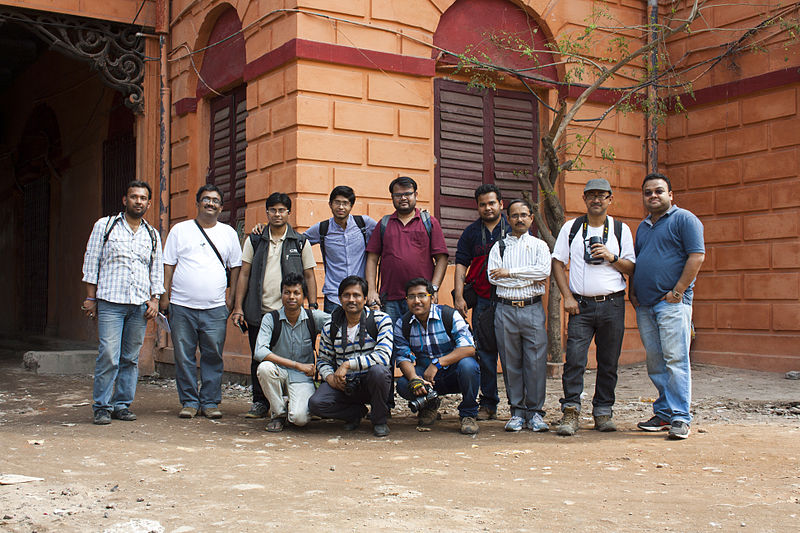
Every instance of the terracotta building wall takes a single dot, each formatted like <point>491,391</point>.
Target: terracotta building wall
<point>144,12</point>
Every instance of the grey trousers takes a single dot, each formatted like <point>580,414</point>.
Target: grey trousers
<point>522,343</point>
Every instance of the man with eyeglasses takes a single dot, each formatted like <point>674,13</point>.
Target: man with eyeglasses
<point>519,265</point>
<point>266,259</point>
<point>594,299</point>
<point>342,240</point>
<point>436,353</point>
<point>669,253</point>
<point>197,257</point>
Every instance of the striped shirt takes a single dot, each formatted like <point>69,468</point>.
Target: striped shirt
<point>130,271</point>
<point>333,353</point>
<point>528,261</point>
<point>432,341</point>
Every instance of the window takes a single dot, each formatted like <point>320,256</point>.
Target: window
<point>227,154</point>
<point>481,137</point>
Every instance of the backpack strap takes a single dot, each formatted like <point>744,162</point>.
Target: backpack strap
<point>406,325</point>
<point>384,223</point>
<point>426,221</point>
<point>323,231</point>
<point>576,225</point>
<point>447,320</point>
<point>277,325</point>
<point>310,324</point>
<point>618,233</point>
<point>362,226</point>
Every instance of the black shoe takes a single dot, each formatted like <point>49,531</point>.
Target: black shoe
<point>380,430</point>
<point>656,423</point>
<point>352,425</point>
<point>123,414</point>
<point>679,430</point>
<point>257,410</point>
<point>102,417</point>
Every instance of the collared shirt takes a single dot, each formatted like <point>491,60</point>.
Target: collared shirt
<point>295,342</point>
<point>271,286</point>
<point>408,253</point>
<point>473,252</point>
<point>334,352</point>
<point>126,274</point>
<point>528,261</point>
<point>587,279</point>
<point>345,252</point>
<point>431,341</point>
<point>661,253</point>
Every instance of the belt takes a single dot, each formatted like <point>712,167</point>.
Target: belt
<point>520,303</point>
<point>602,298</point>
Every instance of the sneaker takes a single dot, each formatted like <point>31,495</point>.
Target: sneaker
<point>515,424</point>
<point>486,413</point>
<point>352,425</point>
<point>258,410</point>
<point>123,414</point>
<point>604,423</point>
<point>188,412</point>
<point>212,412</point>
<point>678,430</point>
<point>536,424</point>
<point>569,423</point>
<point>380,430</point>
<point>656,423</point>
<point>469,426</point>
<point>102,417</point>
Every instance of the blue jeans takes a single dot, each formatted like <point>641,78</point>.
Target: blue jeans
<point>395,309</point>
<point>329,305</point>
<point>605,322</point>
<point>488,362</point>
<point>206,328</point>
<point>120,330</point>
<point>463,377</point>
<point>665,330</point>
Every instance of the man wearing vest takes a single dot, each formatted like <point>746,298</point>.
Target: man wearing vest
<point>266,259</point>
<point>354,351</point>
<point>472,256</point>
<point>436,353</point>
<point>519,266</point>
<point>285,353</point>
<point>342,240</point>
<point>599,250</point>
<point>669,253</point>
<point>123,274</point>
<point>198,256</point>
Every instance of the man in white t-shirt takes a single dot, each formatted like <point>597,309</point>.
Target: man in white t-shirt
<point>595,302</point>
<point>197,256</point>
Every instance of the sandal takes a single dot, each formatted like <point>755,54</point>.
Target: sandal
<point>276,425</point>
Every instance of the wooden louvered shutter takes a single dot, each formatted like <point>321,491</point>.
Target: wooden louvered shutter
<point>481,137</point>
<point>227,154</point>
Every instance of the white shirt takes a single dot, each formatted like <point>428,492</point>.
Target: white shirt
<point>587,279</point>
<point>199,279</point>
<point>527,260</point>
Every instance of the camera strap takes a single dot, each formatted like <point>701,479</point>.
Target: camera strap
<point>605,230</point>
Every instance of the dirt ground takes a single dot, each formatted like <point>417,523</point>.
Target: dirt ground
<point>739,470</point>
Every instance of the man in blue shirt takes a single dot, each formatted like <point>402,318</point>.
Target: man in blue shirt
<point>431,357</point>
<point>342,240</point>
<point>669,252</point>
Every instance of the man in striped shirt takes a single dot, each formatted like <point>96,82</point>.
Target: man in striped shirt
<point>519,266</point>
<point>124,277</point>
<point>354,351</point>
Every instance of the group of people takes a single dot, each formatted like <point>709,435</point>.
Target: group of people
<point>381,308</point>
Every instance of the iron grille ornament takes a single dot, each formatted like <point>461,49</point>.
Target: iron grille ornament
<point>114,50</point>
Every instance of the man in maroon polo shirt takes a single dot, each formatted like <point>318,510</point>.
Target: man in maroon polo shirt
<point>409,244</point>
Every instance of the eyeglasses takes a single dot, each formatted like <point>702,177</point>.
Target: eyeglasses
<point>657,192</point>
<point>417,297</point>
<point>338,203</point>
<point>281,211</point>
<point>518,216</point>
<point>210,200</point>
<point>596,196</point>
<point>400,195</point>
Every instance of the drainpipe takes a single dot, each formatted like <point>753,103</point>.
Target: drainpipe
<point>651,139</point>
<point>162,29</point>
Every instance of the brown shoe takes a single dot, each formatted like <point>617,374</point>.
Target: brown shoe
<point>187,412</point>
<point>569,423</point>
<point>212,412</point>
<point>604,423</point>
<point>469,426</point>
<point>484,413</point>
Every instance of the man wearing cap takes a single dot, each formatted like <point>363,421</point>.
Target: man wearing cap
<point>599,251</point>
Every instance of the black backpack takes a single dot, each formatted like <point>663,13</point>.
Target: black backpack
<point>323,231</point>
<point>277,326</point>
<point>110,226</point>
<point>423,215</point>
<point>338,320</point>
<point>447,320</point>
<point>581,220</point>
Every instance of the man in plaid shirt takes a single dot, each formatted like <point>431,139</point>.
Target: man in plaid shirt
<point>124,277</point>
<point>433,358</point>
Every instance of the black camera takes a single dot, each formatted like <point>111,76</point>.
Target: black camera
<point>429,401</point>
<point>351,383</point>
<point>587,252</point>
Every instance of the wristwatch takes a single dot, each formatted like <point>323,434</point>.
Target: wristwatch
<point>435,362</point>
<point>315,305</point>
<point>616,258</point>
<point>677,295</point>
<point>435,288</point>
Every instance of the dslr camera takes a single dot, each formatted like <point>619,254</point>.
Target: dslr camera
<point>587,251</point>
<point>429,401</point>
<point>351,383</point>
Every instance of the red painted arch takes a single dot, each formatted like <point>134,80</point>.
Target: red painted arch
<point>223,65</point>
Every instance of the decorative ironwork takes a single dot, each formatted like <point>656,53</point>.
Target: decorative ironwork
<point>112,49</point>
